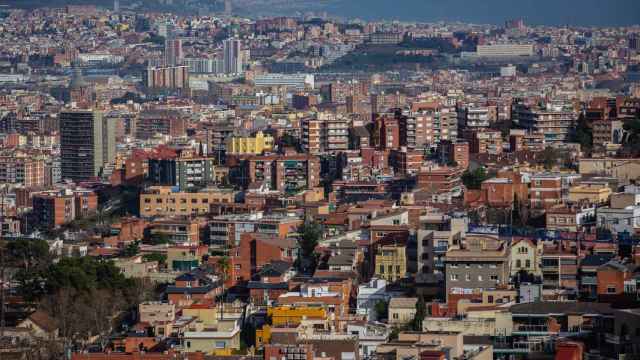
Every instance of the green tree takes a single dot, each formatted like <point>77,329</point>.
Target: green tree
<point>549,158</point>
<point>583,134</point>
<point>421,313</point>
<point>28,252</point>
<point>310,234</point>
<point>131,250</point>
<point>160,258</point>
<point>382,310</point>
<point>473,179</point>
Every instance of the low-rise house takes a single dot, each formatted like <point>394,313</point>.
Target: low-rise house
<point>402,310</point>
<point>525,257</point>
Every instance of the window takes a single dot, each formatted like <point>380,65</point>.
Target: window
<point>381,269</point>
<point>390,268</point>
<point>494,277</point>
<point>397,269</point>
<point>454,277</point>
<point>220,344</point>
<point>454,266</point>
<point>490,299</point>
<point>467,277</point>
<point>479,277</point>
<point>518,263</point>
<point>467,266</point>
<point>527,263</point>
<point>479,266</point>
<point>188,344</point>
<point>611,289</point>
<point>395,315</point>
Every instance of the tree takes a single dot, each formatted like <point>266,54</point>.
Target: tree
<point>421,313</point>
<point>28,252</point>
<point>310,234</point>
<point>160,258</point>
<point>583,134</point>
<point>131,250</point>
<point>473,179</point>
<point>549,157</point>
<point>382,310</point>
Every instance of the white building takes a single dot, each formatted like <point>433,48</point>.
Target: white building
<point>369,294</point>
<point>505,50</point>
<point>296,81</point>
<point>233,57</point>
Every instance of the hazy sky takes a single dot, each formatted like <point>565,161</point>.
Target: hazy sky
<point>546,12</point>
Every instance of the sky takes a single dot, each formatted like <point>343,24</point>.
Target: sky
<point>535,12</point>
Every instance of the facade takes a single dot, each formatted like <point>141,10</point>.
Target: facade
<point>233,57</point>
<point>391,262</point>
<point>402,310</point>
<point>164,201</point>
<point>22,170</point>
<point>186,173</point>
<point>87,144</point>
<point>169,77</point>
<point>491,268</point>
<point>173,52</point>
<point>325,133</point>
<point>52,209</point>
<point>525,256</point>
<point>293,81</point>
<point>255,145</point>
<point>165,122</point>
<point>289,173</point>
<point>505,50</point>
<point>226,231</point>
<point>555,121</point>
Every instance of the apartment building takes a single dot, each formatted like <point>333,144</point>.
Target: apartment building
<point>555,121</point>
<point>289,173</point>
<point>52,209</point>
<point>225,231</point>
<point>165,201</point>
<point>325,133</point>
<point>483,264</point>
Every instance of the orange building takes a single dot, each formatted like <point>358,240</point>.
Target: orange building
<point>611,277</point>
<point>257,250</point>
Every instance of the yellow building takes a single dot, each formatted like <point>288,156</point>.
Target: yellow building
<point>293,315</point>
<point>391,262</point>
<point>250,145</point>
<point>288,316</point>
<point>163,201</point>
<point>593,193</point>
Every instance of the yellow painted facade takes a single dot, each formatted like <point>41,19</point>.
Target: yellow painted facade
<point>592,194</point>
<point>293,315</point>
<point>250,145</point>
<point>391,262</point>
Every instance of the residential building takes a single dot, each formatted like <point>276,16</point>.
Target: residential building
<point>391,261</point>
<point>555,121</point>
<point>526,257</point>
<point>87,144</point>
<point>402,310</point>
<point>255,145</point>
<point>484,263</point>
<point>166,201</point>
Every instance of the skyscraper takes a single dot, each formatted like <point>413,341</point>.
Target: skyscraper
<point>87,144</point>
<point>173,52</point>
<point>233,57</point>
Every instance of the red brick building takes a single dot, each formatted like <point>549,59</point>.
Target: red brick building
<point>257,250</point>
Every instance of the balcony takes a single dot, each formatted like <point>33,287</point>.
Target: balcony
<point>531,330</point>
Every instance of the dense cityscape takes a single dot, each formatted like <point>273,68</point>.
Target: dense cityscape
<point>182,179</point>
